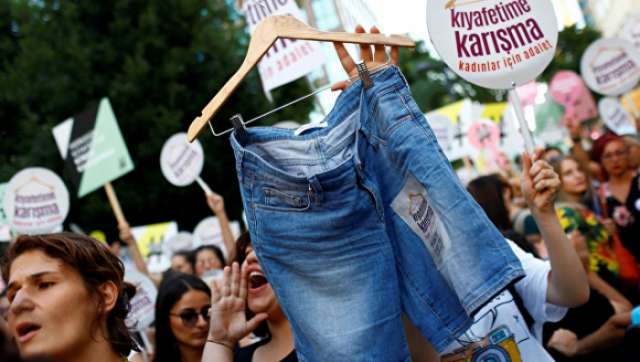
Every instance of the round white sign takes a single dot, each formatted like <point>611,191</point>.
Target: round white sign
<point>181,241</point>
<point>631,29</point>
<point>208,232</point>
<point>181,162</point>
<point>494,43</point>
<point>36,201</point>
<point>142,305</point>
<point>616,117</point>
<point>611,66</point>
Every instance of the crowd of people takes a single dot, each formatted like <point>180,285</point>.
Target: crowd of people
<point>573,221</point>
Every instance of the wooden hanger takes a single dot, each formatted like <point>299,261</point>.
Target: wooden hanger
<point>264,35</point>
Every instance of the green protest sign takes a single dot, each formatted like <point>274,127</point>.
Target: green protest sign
<point>93,148</point>
<point>549,127</point>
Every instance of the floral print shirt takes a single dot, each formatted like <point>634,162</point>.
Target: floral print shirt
<point>627,216</point>
<point>602,256</point>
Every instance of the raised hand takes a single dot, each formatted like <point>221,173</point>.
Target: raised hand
<point>372,59</point>
<point>125,233</point>
<point>540,183</point>
<point>228,302</point>
<point>215,202</point>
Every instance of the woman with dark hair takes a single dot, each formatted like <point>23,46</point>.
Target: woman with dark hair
<point>494,196</point>
<point>621,190</point>
<point>243,303</point>
<point>575,217</point>
<point>183,261</point>
<point>208,257</point>
<point>181,319</point>
<point>68,299</point>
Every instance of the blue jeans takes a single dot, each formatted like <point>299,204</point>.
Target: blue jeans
<point>349,237</point>
<point>431,220</point>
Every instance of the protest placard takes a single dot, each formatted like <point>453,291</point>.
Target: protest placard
<point>142,306</point>
<point>208,232</point>
<point>93,148</point>
<point>94,151</point>
<point>494,43</point>
<point>36,201</point>
<point>616,117</point>
<point>181,241</point>
<point>631,29</point>
<point>153,236</point>
<point>180,161</point>
<point>287,59</point>
<point>611,66</point>
<point>568,89</point>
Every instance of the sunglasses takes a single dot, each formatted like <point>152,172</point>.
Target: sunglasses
<point>190,316</point>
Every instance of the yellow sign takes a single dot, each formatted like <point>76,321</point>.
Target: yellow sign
<point>98,235</point>
<point>494,111</point>
<point>149,235</point>
<point>452,111</point>
<point>631,102</point>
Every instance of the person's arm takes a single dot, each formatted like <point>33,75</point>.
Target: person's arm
<point>132,246</point>
<point>619,302</point>
<point>229,323</point>
<point>611,333</point>
<point>568,285</point>
<point>216,204</point>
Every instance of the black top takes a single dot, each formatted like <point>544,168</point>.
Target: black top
<point>245,354</point>
<point>627,217</point>
<point>583,321</point>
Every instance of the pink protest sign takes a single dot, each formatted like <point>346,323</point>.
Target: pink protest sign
<point>528,93</point>
<point>568,89</point>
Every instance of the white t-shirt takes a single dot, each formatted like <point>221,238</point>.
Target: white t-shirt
<point>499,332</point>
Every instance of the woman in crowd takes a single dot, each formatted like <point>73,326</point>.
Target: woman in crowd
<point>68,299</point>
<point>513,319</point>
<point>245,291</point>
<point>181,320</point>
<point>621,190</point>
<point>494,195</point>
<point>208,258</point>
<point>593,332</point>
<point>576,217</point>
<point>182,261</point>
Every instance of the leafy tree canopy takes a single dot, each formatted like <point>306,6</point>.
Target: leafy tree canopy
<point>159,62</point>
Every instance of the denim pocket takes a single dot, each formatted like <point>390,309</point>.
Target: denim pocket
<point>274,199</point>
<point>390,110</point>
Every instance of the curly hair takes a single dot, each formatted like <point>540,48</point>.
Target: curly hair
<point>96,265</point>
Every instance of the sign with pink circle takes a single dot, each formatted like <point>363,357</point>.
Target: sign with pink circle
<point>568,89</point>
<point>484,134</point>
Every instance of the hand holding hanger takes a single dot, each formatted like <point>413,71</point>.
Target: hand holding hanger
<point>372,60</point>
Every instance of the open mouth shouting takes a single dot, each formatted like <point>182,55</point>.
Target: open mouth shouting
<point>257,282</point>
<point>25,331</point>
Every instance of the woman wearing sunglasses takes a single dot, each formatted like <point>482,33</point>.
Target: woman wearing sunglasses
<point>182,322</point>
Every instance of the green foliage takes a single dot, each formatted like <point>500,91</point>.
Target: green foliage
<point>434,85</point>
<point>159,62</point>
<point>572,43</point>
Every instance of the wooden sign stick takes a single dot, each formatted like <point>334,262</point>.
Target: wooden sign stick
<point>115,204</point>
